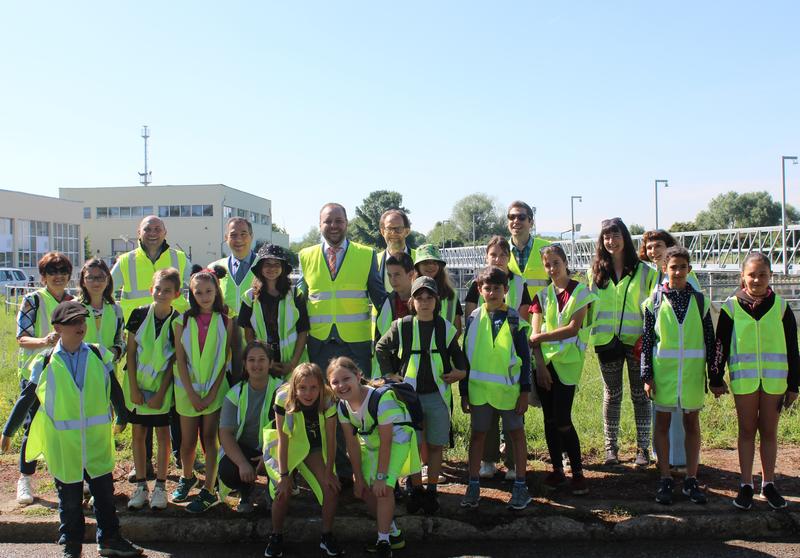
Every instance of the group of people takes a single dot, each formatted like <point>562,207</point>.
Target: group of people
<point>346,377</point>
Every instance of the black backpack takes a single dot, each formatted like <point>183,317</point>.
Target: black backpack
<point>49,353</point>
<point>404,392</point>
<point>439,342</point>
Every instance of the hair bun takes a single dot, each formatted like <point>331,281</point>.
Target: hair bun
<point>219,271</point>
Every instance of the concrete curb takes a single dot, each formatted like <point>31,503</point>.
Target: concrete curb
<point>148,529</point>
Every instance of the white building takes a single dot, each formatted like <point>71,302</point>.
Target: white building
<point>194,215</point>
<point>32,225</point>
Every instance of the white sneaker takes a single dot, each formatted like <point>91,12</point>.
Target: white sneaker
<point>24,491</point>
<point>488,470</point>
<point>139,497</point>
<point>158,499</point>
<point>511,475</point>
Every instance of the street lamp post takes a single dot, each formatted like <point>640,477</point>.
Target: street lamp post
<point>664,182</point>
<point>793,159</point>
<point>572,228</point>
<point>444,233</point>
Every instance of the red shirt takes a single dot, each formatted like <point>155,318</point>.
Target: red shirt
<point>400,307</point>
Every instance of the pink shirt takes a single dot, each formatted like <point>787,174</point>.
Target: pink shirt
<point>203,321</point>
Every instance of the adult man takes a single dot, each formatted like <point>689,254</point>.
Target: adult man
<point>525,258</point>
<point>134,270</point>
<point>339,278</point>
<point>395,228</point>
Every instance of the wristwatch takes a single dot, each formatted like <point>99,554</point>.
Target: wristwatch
<point>380,476</point>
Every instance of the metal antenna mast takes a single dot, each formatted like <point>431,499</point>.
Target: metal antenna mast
<point>145,177</point>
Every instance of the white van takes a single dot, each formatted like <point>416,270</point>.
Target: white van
<point>12,276</point>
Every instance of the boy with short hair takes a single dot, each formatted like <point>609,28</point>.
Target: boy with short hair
<point>75,386</point>
<point>677,351</point>
<point>400,273</point>
<point>498,380</point>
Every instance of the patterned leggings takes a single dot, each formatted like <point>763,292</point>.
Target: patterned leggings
<point>612,401</point>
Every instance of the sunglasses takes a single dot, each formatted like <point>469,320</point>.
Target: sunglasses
<point>57,270</point>
<point>517,217</point>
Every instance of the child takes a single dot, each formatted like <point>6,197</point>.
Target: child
<point>429,263</point>
<point>498,380</point>
<point>105,324</point>
<point>757,337</point>
<point>34,335</point>
<point>381,449</point>
<point>652,249</point>
<point>498,253</point>
<point>400,273</point>
<point>559,318</point>
<point>202,347</point>
<point>423,348</point>
<point>621,283</point>
<point>149,394</point>
<point>279,318</point>
<point>75,385</point>
<point>304,439</point>
<point>677,345</point>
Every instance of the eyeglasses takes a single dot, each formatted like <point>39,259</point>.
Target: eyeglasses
<point>395,230</point>
<point>94,278</point>
<point>517,217</point>
<point>60,270</point>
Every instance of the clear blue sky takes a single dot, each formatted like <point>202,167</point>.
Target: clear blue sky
<point>306,102</point>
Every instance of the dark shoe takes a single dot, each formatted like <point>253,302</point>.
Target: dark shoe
<point>382,549</point>
<point>430,502</point>
<point>117,546</point>
<point>330,546</point>
<point>395,543</point>
<point>642,458</point>
<point>773,498</point>
<point>612,457</point>
<point>72,550</point>
<point>578,485</point>
<point>415,500</point>
<point>691,488</point>
<point>555,479</point>
<point>274,546</point>
<point>744,500</point>
<point>203,502</point>
<point>664,493</point>
<point>181,492</point>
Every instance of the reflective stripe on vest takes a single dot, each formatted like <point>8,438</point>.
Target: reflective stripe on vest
<point>137,277</point>
<point>534,273</point>
<point>288,315</point>
<point>758,356</point>
<point>567,355</point>
<point>106,335</point>
<point>45,304</point>
<point>448,309</point>
<point>494,366</point>
<point>342,301</point>
<point>435,358</point>
<point>514,296</point>
<point>152,353</point>
<point>203,372</point>
<point>609,319</point>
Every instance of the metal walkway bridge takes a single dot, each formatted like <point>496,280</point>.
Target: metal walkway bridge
<point>719,251</point>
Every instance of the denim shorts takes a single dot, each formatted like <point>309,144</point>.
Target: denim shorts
<point>436,419</point>
<point>481,418</point>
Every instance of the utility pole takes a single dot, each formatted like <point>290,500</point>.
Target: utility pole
<point>146,176</point>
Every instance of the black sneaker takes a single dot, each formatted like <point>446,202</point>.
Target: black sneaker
<point>691,488</point>
<point>415,500</point>
<point>430,502</point>
<point>396,542</point>
<point>744,500</point>
<point>274,546</point>
<point>117,546</point>
<point>773,498</point>
<point>664,493</point>
<point>383,549</point>
<point>330,546</point>
<point>72,550</point>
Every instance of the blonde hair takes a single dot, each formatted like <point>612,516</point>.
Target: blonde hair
<point>300,373</point>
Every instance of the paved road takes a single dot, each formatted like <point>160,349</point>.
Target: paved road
<point>630,549</point>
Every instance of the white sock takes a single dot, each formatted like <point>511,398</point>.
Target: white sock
<point>383,537</point>
<point>393,529</point>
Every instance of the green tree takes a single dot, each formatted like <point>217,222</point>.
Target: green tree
<point>751,209</point>
<point>478,217</point>
<point>445,234</point>
<point>87,248</point>
<point>278,229</point>
<point>310,239</point>
<point>683,226</point>
<point>365,227</point>
<point>635,229</point>
<point>416,238</point>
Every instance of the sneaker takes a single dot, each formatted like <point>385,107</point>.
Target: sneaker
<point>382,549</point>
<point>203,501</point>
<point>117,546</point>
<point>158,499</point>
<point>773,498</point>
<point>181,492</point>
<point>664,492</point>
<point>199,466</point>
<point>139,497</point>
<point>330,546</point>
<point>396,542</point>
<point>578,485</point>
<point>488,470</point>
<point>520,497</point>
<point>612,457</point>
<point>440,480</point>
<point>555,480</point>
<point>744,500</point>
<point>691,488</point>
<point>149,474</point>
<point>415,500</point>
<point>511,475</point>
<point>24,490</point>
<point>472,496</point>
<point>245,504</point>
<point>72,550</point>
<point>642,458</point>
<point>430,502</point>
<point>274,546</point>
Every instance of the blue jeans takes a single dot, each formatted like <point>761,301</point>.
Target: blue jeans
<point>27,467</point>
<point>70,509</point>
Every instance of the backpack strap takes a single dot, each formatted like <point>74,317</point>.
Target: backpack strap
<point>47,356</point>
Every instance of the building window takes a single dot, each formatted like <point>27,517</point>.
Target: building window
<point>113,212</point>
<point>163,211</point>
<point>147,210</point>
<point>227,212</point>
<point>101,212</point>
<point>264,219</point>
<point>66,239</point>
<point>241,213</point>
<point>174,211</point>
<point>34,242</point>
<point>125,212</point>
<point>87,212</point>
<point>186,211</point>
<point>6,242</point>
<point>197,211</point>
<point>136,211</point>
<point>120,246</point>
<point>208,211</point>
